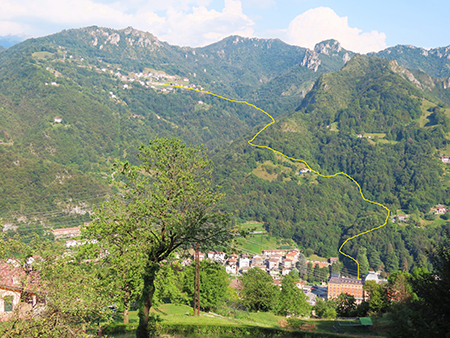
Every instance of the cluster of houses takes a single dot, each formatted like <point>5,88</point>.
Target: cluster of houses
<point>151,80</point>
<point>276,263</point>
<point>437,210</point>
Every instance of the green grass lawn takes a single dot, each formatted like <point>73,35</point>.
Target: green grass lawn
<point>258,241</point>
<point>423,120</point>
<point>387,141</point>
<point>179,314</point>
<point>258,226</point>
<point>334,126</point>
<point>314,257</point>
<point>42,55</point>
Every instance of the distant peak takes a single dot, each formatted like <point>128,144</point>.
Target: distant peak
<point>328,47</point>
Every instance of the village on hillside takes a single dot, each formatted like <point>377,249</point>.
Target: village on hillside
<point>277,263</point>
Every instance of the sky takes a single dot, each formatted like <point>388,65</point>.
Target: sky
<point>360,26</point>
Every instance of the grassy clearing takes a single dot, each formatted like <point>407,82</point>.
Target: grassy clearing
<point>42,55</point>
<point>261,171</point>
<point>373,135</point>
<point>334,126</point>
<point>257,243</point>
<point>171,315</point>
<point>260,239</point>
<point>257,226</point>
<point>314,257</point>
<point>269,171</point>
<point>423,120</point>
<point>384,141</point>
<point>445,151</point>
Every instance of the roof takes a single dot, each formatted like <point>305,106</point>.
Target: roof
<point>371,275</point>
<point>344,280</point>
<point>12,276</point>
<point>366,321</point>
<point>236,284</point>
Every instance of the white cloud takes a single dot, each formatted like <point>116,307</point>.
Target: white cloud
<point>12,28</point>
<point>322,23</point>
<point>203,26</point>
<point>182,22</point>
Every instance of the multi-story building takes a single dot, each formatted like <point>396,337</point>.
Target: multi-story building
<point>273,263</point>
<point>350,286</point>
<point>66,232</point>
<point>270,253</point>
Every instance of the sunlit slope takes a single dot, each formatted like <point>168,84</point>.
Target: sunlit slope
<point>394,160</point>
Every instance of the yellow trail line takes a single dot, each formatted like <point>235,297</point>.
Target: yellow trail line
<point>296,160</point>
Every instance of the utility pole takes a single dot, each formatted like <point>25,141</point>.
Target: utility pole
<point>197,283</point>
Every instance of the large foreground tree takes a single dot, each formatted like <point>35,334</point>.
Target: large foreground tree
<point>166,203</point>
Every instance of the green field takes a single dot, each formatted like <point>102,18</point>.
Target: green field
<point>179,315</point>
<point>42,55</point>
<point>334,126</point>
<point>317,258</point>
<point>260,239</point>
<point>425,113</point>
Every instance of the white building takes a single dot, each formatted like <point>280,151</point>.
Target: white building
<point>244,262</point>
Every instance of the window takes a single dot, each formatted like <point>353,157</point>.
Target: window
<point>8,303</point>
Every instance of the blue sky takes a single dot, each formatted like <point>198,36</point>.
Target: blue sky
<point>361,26</point>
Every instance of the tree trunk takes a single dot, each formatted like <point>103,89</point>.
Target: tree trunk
<point>146,300</point>
<point>126,304</point>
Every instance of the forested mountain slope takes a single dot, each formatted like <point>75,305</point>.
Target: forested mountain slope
<point>83,98</point>
<point>395,160</point>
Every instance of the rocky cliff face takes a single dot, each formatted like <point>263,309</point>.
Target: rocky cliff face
<point>133,37</point>
<point>311,60</point>
<point>426,83</point>
<point>435,61</point>
<point>330,49</point>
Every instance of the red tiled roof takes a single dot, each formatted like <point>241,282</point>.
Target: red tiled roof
<point>12,275</point>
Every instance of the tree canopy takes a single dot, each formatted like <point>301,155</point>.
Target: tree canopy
<point>167,202</point>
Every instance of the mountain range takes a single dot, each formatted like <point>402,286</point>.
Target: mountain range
<point>74,102</point>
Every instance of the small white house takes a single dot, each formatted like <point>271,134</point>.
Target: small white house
<point>244,262</point>
<point>57,120</point>
<point>231,267</point>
